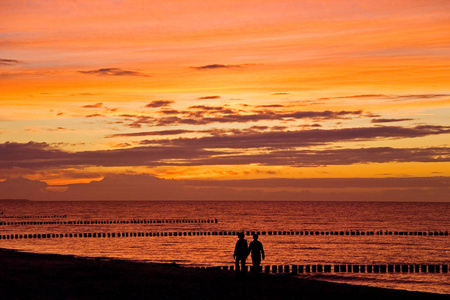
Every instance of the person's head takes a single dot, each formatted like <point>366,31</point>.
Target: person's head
<point>241,235</point>
<point>255,237</point>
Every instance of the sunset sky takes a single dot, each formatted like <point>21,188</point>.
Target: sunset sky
<point>258,100</point>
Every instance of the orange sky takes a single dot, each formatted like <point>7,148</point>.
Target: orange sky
<point>224,90</point>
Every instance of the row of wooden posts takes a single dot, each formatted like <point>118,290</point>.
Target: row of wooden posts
<point>34,217</point>
<point>156,234</point>
<point>105,235</point>
<point>210,221</point>
<point>304,232</point>
<point>352,268</point>
<point>100,222</point>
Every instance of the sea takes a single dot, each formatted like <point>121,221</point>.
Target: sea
<point>202,234</point>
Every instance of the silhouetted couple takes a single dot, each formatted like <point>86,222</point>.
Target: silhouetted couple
<point>242,250</point>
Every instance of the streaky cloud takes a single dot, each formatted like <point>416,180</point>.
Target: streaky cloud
<point>271,106</point>
<point>227,116</point>
<point>35,155</point>
<point>169,111</point>
<point>311,158</point>
<point>114,72</point>
<point>218,66</point>
<point>94,115</point>
<point>8,62</point>
<point>203,115</point>
<point>150,133</point>
<point>43,156</point>
<point>208,98</point>
<point>423,96</point>
<point>389,97</point>
<point>390,120</point>
<point>304,138</point>
<point>210,108</point>
<point>159,103</point>
<point>96,105</point>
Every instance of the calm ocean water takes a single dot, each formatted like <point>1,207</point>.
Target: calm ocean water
<point>217,250</point>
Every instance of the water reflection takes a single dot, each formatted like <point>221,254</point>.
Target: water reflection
<point>212,250</point>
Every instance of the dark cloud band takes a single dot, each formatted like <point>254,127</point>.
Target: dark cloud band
<point>269,148</point>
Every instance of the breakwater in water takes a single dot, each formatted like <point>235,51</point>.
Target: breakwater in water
<point>95,222</point>
<point>207,233</point>
<point>351,268</point>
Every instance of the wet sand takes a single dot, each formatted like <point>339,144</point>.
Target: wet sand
<point>41,276</point>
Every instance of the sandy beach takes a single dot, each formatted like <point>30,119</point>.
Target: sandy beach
<point>42,276</point>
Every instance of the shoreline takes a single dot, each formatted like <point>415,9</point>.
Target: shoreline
<point>26,275</point>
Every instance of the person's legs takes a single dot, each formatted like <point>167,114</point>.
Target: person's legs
<point>243,269</point>
<point>256,264</point>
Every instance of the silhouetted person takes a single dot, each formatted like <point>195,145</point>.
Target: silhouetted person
<point>240,253</point>
<point>257,251</point>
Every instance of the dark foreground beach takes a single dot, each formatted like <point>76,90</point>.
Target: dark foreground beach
<point>39,276</point>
